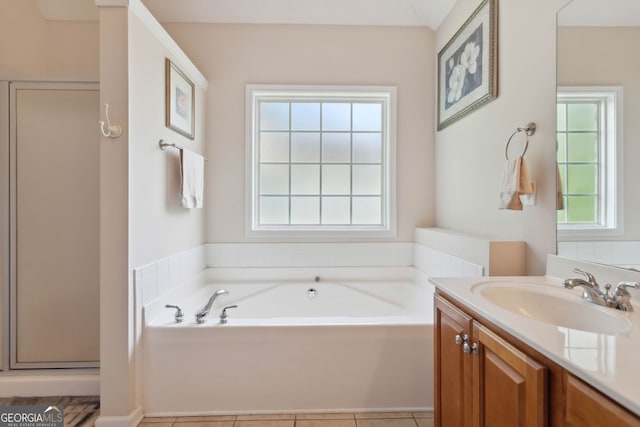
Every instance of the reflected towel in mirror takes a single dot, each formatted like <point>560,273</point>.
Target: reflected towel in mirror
<point>515,182</point>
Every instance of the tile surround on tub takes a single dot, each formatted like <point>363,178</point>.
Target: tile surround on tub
<point>309,254</point>
<point>163,275</point>
<point>157,278</point>
<point>435,263</point>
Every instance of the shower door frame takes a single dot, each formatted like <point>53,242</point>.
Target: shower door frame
<point>8,192</point>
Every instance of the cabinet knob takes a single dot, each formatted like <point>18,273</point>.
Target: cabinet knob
<point>466,348</point>
<point>462,339</point>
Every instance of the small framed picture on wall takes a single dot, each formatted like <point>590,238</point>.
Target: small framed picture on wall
<point>180,101</point>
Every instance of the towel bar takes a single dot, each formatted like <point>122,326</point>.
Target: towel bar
<point>529,130</point>
<point>163,145</point>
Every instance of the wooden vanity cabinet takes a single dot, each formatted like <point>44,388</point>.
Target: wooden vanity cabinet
<point>453,399</point>
<point>587,407</point>
<point>481,380</point>
<point>495,380</point>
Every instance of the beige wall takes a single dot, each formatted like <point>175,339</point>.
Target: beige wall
<point>470,153</point>
<point>31,47</point>
<point>600,57</point>
<point>232,56</point>
<point>140,217</point>
<point>159,225</point>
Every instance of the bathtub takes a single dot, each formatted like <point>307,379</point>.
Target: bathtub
<point>300,340</point>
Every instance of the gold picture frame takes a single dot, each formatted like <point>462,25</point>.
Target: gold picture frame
<point>180,101</point>
<point>468,66</point>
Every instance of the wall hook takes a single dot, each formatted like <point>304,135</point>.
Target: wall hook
<point>113,130</point>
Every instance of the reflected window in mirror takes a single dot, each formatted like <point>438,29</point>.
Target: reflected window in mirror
<point>588,133</point>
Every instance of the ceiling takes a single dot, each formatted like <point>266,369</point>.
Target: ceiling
<point>427,13</point>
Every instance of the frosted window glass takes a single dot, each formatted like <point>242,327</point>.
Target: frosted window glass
<point>367,148</point>
<point>336,147</point>
<point>274,147</point>
<point>367,117</point>
<point>336,116</point>
<point>367,179</point>
<point>274,179</point>
<point>305,210</point>
<point>583,117</point>
<point>366,210</point>
<point>561,117</point>
<point>583,179</point>
<point>305,147</point>
<point>274,210</point>
<point>305,179</point>
<point>583,147</point>
<point>274,116</point>
<point>336,179</point>
<point>582,209</point>
<point>336,210</point>
<point>561,139</point>
<point>305,116</point>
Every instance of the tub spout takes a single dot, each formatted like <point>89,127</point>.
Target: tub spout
<point>201,316</point>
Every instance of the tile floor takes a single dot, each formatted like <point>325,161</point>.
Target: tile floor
<point>371,419</point>
<point>82,411</point>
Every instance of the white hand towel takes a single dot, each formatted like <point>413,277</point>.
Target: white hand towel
<point>192,167</point>
<point>515,181</point>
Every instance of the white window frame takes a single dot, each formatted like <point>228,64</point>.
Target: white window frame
<point>256,93</point>
<point>611,162</point>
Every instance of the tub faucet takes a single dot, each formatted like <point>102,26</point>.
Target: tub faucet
<point>201,316</point>
<point>592,292</point>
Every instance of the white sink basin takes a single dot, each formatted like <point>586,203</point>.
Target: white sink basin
<point>553,305</point>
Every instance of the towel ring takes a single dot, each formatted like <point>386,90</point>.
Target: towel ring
<point>529,130</point>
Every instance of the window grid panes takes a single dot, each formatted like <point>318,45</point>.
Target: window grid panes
<point>320,162</point>
<point>579,138</point>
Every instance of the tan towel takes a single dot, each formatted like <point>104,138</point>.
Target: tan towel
<point>192,168</point>
<point>559,198</point>
<point>515,182</point>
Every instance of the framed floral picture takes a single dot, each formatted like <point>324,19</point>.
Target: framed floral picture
<point>180,101</point>
<point>467,66</point>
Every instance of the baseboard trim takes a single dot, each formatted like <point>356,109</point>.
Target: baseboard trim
<point>49,385</point>
<point>131,420</point>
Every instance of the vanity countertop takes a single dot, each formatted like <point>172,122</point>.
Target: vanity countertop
<point>608,362</point>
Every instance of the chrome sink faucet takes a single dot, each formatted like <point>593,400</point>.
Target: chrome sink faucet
<point>619,299</point>
<point>201,316</point>
<point>592,292</point>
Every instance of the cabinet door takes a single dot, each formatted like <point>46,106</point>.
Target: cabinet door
<point>453,367</point>
<point>586,407</point>
<point>510,388</point>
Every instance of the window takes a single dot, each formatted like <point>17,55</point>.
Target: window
<point>321,160</point>
<point>589,140</point>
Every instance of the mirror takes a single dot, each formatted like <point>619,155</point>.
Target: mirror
<point>598,77</point>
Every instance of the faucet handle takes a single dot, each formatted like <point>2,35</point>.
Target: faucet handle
<point>587,276</point>
<point>621,288</point>
<point>224,315</point>
<point>622,297</point>
<point>179,316</point>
